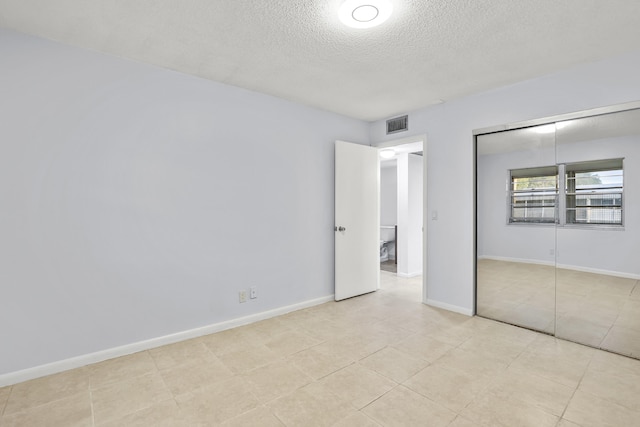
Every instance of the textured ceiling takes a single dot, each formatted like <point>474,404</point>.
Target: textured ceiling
<point>428,52</point>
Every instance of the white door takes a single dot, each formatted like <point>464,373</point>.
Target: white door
<point>357,220</point>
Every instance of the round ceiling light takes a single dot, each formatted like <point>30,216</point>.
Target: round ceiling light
<point>365,13</point>
<point>387,153</point>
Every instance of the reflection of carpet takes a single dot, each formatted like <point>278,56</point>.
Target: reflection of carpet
<point>389,265</point>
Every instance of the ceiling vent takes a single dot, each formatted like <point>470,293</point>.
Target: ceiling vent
<point>398,124</point>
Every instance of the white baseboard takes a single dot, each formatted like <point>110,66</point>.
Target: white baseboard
<point>410,275</point>
<point>599,271</point>
<point>565,267</point>
<point>450,307</point>
<point>521,260</point>
<point>111,353</point>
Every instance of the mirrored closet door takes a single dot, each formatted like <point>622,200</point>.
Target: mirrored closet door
<point>558,228</point>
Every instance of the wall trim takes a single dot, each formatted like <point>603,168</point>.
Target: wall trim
<point>449,307</point>
<point>566,267</point>
<point>521,260</point>
<point>410,275</point>
<point>599,271</point>
<point>111,353</point>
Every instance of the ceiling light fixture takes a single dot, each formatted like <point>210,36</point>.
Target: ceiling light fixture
<point>387,153</point>
<point>365,13</point>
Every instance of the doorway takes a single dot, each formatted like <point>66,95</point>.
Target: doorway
<point>402,208</point>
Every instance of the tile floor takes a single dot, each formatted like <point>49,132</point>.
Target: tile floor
<point>389,265</point>
<point>593,309</point>
<point>382,359</point>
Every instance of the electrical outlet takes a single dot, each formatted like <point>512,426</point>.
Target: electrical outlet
<point>253,292</point>
<point>242,296</point>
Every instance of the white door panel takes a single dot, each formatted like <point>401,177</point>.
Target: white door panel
<point>357,220</point>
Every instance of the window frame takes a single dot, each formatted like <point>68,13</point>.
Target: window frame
<point>563,203</point>
<point>512,194</point>
<point>587,167</point>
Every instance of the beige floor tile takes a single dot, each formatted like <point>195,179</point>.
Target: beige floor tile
<point>163,414</point>
<point>321,329</point>
<point>249,358</point>
<point>550,396</point>
<point>179,353</point>
<point>72,411</point>
<point>290,342</point>
<point>259,416</point>
<point>623,340</point>
<point>532,317</point>
<point>357,385</point>
<point>635,293</point>
<point>456,335</point>
<point>223,342</point>
<point>590,312</point>
<point>43,390</point>
<point>352,347</point>
<point>592,411</point>
<point>318,364</point>
<point>128,396</point>
<point>460,421</point>
<point>383,331</point>
<point>394,364</point>
<point>4,396</point>
<point>446,318</point>
<point>356,419</point>
<point>218,403</point>
<point>567,423</point>
<point>264,330</point>
<point>187,377</point>
<point>423,347</point>
<point>311,406</point>
<point>629,316</point>
<point>614,364</point>
<point>402,407</point>
<point>621,386</point>
<point>494,346</point>
<point>581,330</point>
<point>562,370</point>
<point>560,349</point>
<point>273,381</point>
<point>299,316</point>
<point>471,362</point>
<point>494,411</point>
<point>121,368</point>
<point>451,388</point>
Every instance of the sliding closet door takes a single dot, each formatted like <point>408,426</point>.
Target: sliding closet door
<point>598,236</point>
<point>517,190</point>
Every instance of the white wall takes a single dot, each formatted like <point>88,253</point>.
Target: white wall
<point>415,215</point>
<point>410,179</point>
<point>450,168</point>
<point>136,201</point>
<point>389,195</point>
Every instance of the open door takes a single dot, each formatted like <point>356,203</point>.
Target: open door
<point>357,220</point>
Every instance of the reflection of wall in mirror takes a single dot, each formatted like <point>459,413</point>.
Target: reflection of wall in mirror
<point>597,249</point>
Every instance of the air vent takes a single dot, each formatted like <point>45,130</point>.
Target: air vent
<point>399,124</point>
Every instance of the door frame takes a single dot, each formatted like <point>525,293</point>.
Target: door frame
<point>407,140</point>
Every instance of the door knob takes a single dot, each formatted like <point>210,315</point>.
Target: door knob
<point>341,228</point>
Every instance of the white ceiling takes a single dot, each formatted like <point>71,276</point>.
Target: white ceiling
<point>429,51</point>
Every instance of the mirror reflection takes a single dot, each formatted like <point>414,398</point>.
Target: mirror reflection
<point>516,212</point>
<point>598,235</point>
<point>558,239</point>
